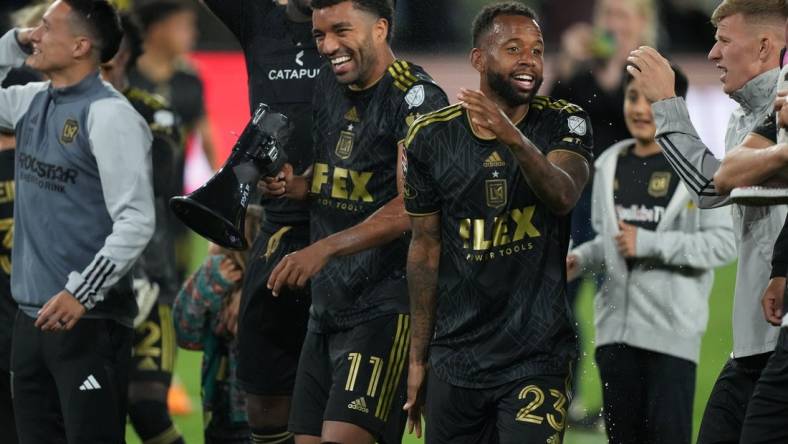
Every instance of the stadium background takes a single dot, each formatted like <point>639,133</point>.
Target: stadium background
<point>435,34</point>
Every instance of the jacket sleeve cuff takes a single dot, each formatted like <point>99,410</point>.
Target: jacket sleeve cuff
<point>645,243</point>
<point>779,269</point>
<point>672,116</point>
<point>76,286</point>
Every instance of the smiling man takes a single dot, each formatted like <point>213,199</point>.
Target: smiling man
<point>350,380</point>
<point>490,183</point>
<point>750,35</point>
<point>83,214</point>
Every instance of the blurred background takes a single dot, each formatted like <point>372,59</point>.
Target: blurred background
<point>583,37</point>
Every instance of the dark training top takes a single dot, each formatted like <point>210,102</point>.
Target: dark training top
<point>282,64</point>
<point>502,312</point>
<point>356,135</point>
<point>643,188</point>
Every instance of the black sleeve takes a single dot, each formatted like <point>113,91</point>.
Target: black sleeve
<point>421,192</point>
<point>421,99</point>
<point>768,128</point>
<point>239,16</point>
<point>572,132</point>
<point>780,254</point>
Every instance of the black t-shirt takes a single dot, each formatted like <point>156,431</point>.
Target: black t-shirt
<point>355,173</point>
<point>605,108</point>
<point>502,312</point>
<point>183,92</point>
<point>157,261</point>
<point>282,64</point>
<point>642,188</point>
<point>8,307</point>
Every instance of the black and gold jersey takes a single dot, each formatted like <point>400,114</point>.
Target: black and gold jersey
<point>158,259</point>
<point>356,134</point>
<point>502,312</point>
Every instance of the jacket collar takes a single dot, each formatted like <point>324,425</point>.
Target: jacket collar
<point>758,92</point>
<point>75,91</point>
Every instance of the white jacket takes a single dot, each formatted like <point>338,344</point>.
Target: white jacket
<point>663,308</point>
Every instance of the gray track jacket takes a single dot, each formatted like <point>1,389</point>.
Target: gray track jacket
<point>84,198</point>
<point>664,308</point>
<point>756,228</point>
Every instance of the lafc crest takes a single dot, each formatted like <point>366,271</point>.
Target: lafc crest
<point>495,192</point>
<point>659,184</point>
<point>344,145</point>
<point>70,130</point>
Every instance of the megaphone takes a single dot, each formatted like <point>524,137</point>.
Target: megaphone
<point>217,210</point>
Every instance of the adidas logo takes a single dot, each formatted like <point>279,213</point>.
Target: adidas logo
<point>352,115</point>
<point>90,383</point>
<point>359,404</point>
<point>494,161</point>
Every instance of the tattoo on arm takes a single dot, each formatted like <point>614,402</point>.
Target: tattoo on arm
<point>423,261</point>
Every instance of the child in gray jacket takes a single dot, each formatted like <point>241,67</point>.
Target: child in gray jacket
<point>657,251</point>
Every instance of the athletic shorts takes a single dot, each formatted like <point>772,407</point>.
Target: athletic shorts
<point>529,410</point>
<point>357,376</point>
<point>153,352</point>
<point>271,329</point>
<point>766,420</point>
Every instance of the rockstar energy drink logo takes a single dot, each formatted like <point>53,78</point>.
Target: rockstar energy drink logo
<point>509,228</point>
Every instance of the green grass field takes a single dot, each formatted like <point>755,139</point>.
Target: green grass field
<point>716,348</point>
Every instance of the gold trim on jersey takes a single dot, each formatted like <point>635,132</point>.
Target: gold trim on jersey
<point>403,78</point>
<point>410,213</point>
<point>442,115</point>
<point>396,362</point>
<point>541,102</point>
<point>274,241</point>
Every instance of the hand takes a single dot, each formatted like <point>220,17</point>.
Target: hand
<point>24,36</point>
<point>653,72</point>
<point>486,115</point>
<point>576,42</point>
<point>285,184</point>
<point>230,271</point>
<point>772,301</point>
<point>626,239</point>
<point>60,313</point>
<point>295,269</point>
<point>572,267</point>
<point>228,317</point>
<point>417,374</point>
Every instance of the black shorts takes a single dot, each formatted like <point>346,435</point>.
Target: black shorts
<point>70,384</point>
<point>723,417</point>
<point>271,329</point>
<point>153,353</point>
<point>356,376</point>
<point>529,410</point>
<point>767,414</point>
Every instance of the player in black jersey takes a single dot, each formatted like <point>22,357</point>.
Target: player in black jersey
<point>155,277</point>
<point>350,380</point>
<point>282,64</point>
<point>489,186</point>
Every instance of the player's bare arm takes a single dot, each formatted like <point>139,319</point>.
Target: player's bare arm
<point>383,226</point>
<point>558,178</point>
<point>755,161</point>
<point>423,260</point>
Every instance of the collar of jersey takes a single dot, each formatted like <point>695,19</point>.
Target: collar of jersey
<point>75,91</point>
<point>758,92</point>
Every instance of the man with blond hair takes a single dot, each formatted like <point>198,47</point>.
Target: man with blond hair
<point>749,38</point>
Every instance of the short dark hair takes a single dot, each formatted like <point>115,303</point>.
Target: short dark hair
<point>681,84</point>
<point>484,20</point>
<point>133,39</point>
<point>382,8</point>
<point>102,23</point>
<point>154,11</point>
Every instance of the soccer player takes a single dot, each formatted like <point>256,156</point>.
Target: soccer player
<point>350,380</point>
<point>282,64</point>
<point>490,183</point>
<point>155,277</point>
<point>83,214</point>
<point>657,252</point>
<point>749,37</point>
